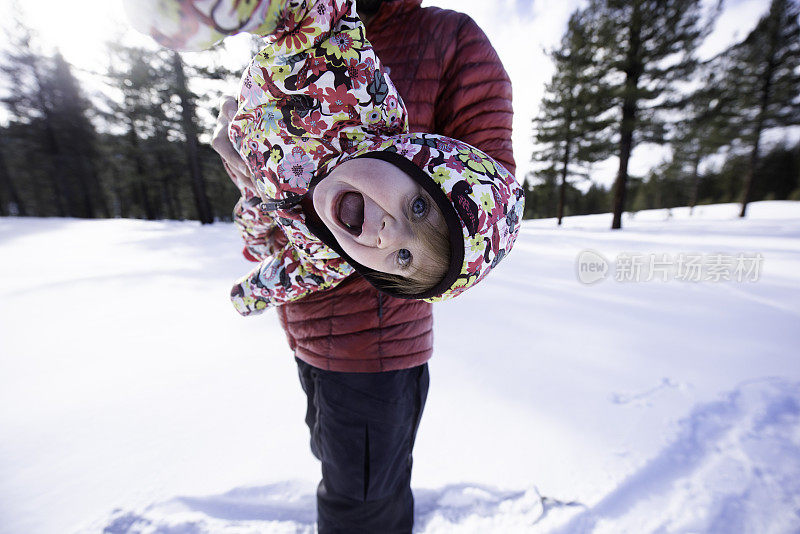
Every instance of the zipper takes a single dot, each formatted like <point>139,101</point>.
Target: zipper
<point>283,204</point>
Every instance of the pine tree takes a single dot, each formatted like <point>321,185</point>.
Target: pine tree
<point>570,127</point>
<point>526,188</point>
<point>77,135</point>
<point>49,121</point>
<point>168,165</point>
<point>28,106</point>
<point>139,75</point>
<point>189,127</point>
<point>205,168</point>
<point>764,79</point>
<point>647,48</point>
<point>595,200</point>
<point>541,198</point>
<point>704,129</point>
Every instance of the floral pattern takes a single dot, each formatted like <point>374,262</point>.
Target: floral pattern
<point>314,97</point>
<point>475,161</point>
<point>296,169</point>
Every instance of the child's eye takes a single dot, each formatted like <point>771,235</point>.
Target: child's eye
<point>419,206</point>
<point>403,257</point>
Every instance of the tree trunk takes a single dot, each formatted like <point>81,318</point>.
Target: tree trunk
<point>174,190</point>
<point>86,205</point>
<point>140,186</point>
<point>565,162</point>
<point>97,189</point>
<point>695,182</point>
<point>7,185</point>
<point>118,208</point>
<point>192,152</point>
<point>65,199</point>
<point>633,70</point>
<point>798,164</point>
<point>766,87</point>
<point>144,199</point>
<point>41,207</point>
<point>747,191</point>
<point>167,195</point>
<point>104,206</point>
<point>63,188</point>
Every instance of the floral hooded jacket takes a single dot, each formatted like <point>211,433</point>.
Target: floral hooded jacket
<point>314,97</point>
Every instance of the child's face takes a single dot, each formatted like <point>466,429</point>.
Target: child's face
<point>370,206</point>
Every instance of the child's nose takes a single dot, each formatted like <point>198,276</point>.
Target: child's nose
<point>390,233</point>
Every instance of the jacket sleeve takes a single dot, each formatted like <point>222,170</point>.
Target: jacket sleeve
<point>285,277</point>
<point>193,25</point>
<point>475,101</point>
<point>266,285</point>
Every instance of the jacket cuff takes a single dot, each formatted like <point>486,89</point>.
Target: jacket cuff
<point>248,256</point>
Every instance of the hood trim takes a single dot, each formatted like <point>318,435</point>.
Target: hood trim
<point>454,229</point>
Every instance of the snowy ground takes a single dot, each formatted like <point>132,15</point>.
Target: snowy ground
<point>133,399</point>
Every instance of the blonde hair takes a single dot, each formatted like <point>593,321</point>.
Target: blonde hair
<point>431,267</point>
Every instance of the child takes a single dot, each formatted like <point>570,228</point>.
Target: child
<point>421,216</point>
<point>318,121</point>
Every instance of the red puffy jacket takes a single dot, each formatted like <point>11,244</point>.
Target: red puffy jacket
<point>453,84</point>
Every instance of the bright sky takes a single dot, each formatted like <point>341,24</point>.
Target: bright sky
<point>519,30</point>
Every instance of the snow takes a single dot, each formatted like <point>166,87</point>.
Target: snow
<point>133,399</point>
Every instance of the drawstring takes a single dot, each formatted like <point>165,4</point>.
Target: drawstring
<point>380,305</point>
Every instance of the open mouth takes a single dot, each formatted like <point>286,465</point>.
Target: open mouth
<point>350,212</point>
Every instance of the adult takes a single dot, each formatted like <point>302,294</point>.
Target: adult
<point>362,355</point>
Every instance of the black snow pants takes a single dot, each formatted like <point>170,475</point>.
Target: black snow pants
<point>363,427</point>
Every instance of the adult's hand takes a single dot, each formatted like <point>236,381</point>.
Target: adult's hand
<point>220,142</point>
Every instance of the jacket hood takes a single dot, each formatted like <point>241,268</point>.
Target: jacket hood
<point>480,200</point>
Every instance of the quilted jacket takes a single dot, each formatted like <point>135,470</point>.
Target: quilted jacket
<point>453,83</point>
<point>314,97</point>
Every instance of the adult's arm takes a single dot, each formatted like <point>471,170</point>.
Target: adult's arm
<point>261,235</point>
<point>474,105</point>
<point>234,164</point>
